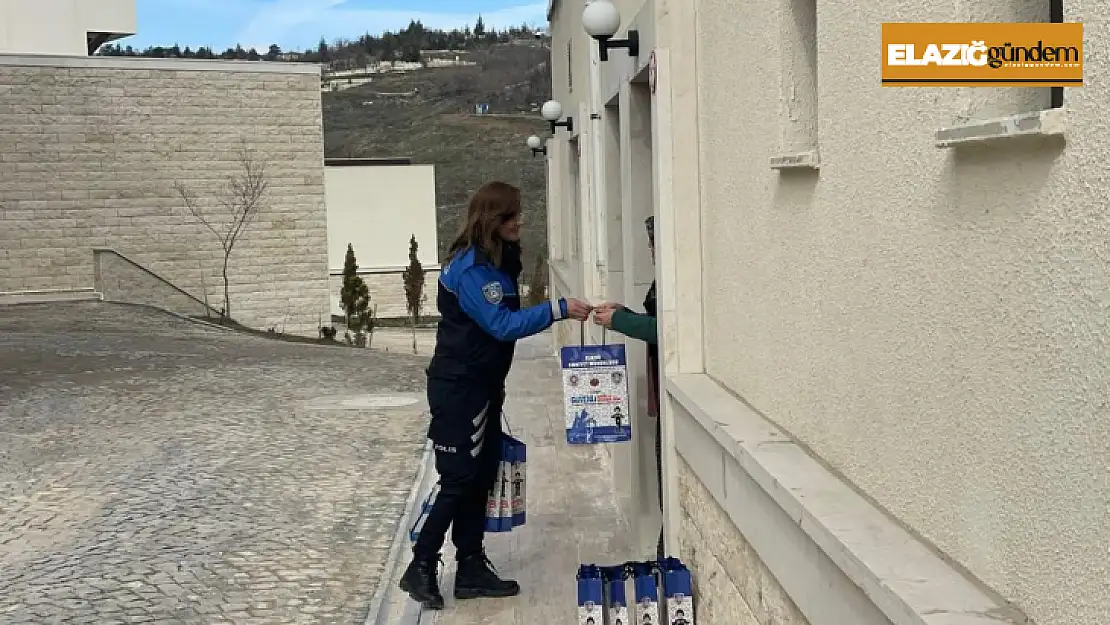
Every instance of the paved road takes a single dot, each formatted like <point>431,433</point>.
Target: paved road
<point>153,470</point>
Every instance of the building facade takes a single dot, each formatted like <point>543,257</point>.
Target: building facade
<point>69,27</point>
<point>377,206</point>
<point>886,353</point>
<point>92,152</point>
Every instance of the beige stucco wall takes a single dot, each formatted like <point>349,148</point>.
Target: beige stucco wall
<point>566,29</point>
<point>570,80</point>
<point>932,323</point>
<point>91,147</point>
<point>61,26</point>
<point>377,208</point>
<point>587,257</point>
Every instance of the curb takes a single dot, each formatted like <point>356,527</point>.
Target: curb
<point>388,594</point>
<point>37,298</point>
<point>57,296</point>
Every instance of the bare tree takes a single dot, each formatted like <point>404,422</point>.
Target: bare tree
<point>242,197</point>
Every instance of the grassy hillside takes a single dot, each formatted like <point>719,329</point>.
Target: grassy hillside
<point>428,115</point>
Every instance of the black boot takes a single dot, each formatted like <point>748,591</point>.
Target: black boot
<point>476,578</point>
<point>420,581</point>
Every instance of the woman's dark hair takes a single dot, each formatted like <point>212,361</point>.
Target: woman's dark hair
<point>493,204</point>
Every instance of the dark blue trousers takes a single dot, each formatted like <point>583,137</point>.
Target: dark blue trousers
<point>466,436</point>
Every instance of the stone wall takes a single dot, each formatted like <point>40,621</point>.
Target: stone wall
<point>90,149</point>
<point>119,279</point>
<point>731,583</point>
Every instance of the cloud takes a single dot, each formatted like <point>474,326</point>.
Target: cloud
<point>299,24</point>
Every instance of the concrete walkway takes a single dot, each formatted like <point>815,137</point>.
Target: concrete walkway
<point>572,513</point>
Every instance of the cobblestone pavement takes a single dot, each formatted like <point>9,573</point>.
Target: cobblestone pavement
<point>153,470</point>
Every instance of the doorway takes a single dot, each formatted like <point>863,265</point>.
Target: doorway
<point>635,466</point>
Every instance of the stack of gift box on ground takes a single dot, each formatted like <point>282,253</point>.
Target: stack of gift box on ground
<point>662,594</point>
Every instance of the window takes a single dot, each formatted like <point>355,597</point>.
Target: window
<point>570,65</point>
<point>985,103</point>
<point>573,205</point>
<point>1056,16</point>
<point>799,76</point>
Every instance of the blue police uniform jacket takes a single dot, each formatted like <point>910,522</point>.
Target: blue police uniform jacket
<point>481,318</point>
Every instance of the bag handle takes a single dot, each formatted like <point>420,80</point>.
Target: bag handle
<point>582,333</point>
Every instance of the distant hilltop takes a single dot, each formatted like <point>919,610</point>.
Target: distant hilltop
<point>413,44</point>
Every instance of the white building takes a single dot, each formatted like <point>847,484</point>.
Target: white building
<point>376,206</point>
<point>63,27</point>
<point>886,354</point>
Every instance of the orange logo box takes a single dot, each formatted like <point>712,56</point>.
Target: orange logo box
<point>982,55</point>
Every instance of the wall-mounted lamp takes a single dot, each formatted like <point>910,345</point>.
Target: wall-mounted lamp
<point>602,20</point>
<point>534,143</point>
<point>552,111</point>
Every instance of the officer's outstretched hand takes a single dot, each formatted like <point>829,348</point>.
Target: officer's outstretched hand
<point>578,309</point>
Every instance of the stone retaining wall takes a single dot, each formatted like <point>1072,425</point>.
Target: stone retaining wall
<point>732,585</point>
<point>119,279</point>
<point>90,149</point>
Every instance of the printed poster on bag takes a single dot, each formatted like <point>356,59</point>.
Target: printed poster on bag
<point>590,596</point>
<point>519,481</point>
<point>590,614</point>
<point>505,507</point>
<point>618,615</point>
<point>647,612</point>
<point>678,590</point>
<point>493,502</point>
<point>680,608</point>
<point>616,595</point>
<point>647,596</point>
<point>595,390</point>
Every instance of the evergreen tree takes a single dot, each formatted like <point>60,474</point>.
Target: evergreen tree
<point>354,295</point>
<point>414,288</point>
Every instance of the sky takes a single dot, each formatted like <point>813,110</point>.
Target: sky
<point>299,24</point>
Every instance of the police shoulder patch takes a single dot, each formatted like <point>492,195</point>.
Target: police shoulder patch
<point>493,292</point>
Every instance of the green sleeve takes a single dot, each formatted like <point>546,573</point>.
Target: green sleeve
<point>635,325</point>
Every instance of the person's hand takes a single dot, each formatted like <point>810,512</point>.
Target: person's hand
<point>610,306</point>
<point>604,317</point>
<point>578,309</point>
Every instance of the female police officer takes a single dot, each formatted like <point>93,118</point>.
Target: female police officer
<point>480,321</point>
